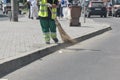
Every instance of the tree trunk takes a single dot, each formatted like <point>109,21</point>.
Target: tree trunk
<point>14,9</point>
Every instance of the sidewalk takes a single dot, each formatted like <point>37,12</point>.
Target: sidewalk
<point>22,42</point>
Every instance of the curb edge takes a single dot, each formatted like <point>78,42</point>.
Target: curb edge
<point>12,65</point>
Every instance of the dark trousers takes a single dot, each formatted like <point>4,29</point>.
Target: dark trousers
<point>28,10</point>
<point>60,11</point>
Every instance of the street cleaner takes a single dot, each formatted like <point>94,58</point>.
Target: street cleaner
<point>47,13</point>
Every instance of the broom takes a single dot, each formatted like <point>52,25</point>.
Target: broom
<point>65,37</point>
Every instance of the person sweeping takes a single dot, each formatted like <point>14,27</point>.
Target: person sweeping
<point>47,14</point>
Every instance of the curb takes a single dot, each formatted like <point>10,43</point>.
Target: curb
<point>3,16</point>
<point>16,63</point>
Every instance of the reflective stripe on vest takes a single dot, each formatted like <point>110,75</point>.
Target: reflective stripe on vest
<point>43,12</point>
<point>54,13</point>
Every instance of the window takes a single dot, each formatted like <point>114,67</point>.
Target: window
<point>97,4</point>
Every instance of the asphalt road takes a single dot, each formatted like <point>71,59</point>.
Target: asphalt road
<point>94,59</point>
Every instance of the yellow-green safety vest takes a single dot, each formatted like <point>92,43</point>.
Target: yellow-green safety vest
<point>43,12</point>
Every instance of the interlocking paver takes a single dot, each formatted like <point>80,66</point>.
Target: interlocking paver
<point>24,36</point>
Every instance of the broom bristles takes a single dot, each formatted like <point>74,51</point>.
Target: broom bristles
<point>65,37</point>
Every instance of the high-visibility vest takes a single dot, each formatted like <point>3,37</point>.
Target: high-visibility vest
<point>43,10</point>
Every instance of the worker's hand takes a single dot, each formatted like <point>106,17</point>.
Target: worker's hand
<point>48,4</point>
<point>54,5</point>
